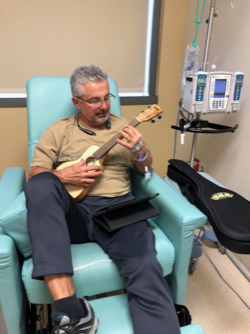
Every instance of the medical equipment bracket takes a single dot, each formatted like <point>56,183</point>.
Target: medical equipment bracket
<point>197,126</point>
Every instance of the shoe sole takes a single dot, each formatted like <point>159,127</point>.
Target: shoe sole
<point>95,326</point>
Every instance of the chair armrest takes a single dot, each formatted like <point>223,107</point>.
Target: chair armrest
<point>12,296</point>
<point>178,219</point>
<point>14,223</point>
<point>12,184</point>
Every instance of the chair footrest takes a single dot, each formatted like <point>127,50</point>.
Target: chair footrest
<point>114,317</point>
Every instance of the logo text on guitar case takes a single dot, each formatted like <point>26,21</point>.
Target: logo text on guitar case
<point>221,195</point>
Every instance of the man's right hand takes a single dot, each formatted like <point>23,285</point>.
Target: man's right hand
<point>77,174</point>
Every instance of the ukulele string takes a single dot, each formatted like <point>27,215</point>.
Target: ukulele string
<point>102,150</point>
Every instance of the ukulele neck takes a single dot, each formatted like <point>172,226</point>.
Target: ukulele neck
<point>112,142</point>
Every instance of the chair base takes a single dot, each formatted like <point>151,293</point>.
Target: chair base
<point>118,319</point>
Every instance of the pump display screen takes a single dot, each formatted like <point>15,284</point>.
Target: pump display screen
<point>220,88</point>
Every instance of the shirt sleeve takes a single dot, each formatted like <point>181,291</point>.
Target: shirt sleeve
<point>45,153</point>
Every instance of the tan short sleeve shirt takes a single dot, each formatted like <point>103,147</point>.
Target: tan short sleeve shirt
<point>64,141</point>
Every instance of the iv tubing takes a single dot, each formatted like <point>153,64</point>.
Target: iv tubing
<point>198,22</point>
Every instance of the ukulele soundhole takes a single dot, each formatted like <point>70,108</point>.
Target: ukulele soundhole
<point>90,161</point>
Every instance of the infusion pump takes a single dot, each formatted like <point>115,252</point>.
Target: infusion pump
<point>212,92</point>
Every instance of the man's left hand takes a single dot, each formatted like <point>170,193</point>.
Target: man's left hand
<point>133,137</point>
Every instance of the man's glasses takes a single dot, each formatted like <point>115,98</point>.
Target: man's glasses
<point>97,102</point>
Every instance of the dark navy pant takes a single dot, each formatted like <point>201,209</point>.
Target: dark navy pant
<point>55,220</point>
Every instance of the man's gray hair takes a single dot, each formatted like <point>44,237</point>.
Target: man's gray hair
<point>84,74</point>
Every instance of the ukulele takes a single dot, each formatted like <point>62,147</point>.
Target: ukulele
<point>95,155</point>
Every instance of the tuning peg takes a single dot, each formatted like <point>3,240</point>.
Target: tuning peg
<point>159,117</point>
<point>152,121</point>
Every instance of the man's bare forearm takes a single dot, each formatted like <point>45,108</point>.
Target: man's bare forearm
<point>59,173</point>
<point>77,174</point>
<point>36,170</point>
<point>145,165</point>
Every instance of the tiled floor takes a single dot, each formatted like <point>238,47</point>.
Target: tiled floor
<point>211,302</point>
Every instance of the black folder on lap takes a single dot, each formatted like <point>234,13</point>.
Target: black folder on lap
<point>115,217</point>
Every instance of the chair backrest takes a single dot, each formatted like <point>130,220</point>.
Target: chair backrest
<point>48,99</point>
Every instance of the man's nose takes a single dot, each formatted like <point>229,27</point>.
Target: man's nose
<point>104,104</point>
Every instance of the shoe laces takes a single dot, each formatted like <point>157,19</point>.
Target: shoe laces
<point>58,328</point>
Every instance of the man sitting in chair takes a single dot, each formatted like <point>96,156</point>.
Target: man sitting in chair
<point>56,219</point>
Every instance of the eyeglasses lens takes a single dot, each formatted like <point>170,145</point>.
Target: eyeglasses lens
<point>98,103</point>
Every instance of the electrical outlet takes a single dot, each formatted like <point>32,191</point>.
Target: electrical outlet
<point>201,167</point>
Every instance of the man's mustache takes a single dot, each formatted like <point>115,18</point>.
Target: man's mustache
<point>104,112</point>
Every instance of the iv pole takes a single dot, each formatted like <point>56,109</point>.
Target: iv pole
<point>198,124</point>
<point>209,29</point>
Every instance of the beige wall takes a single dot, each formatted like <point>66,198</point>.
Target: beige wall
<point>13,125</point>
<point>226,156</point>
<point>13,138</point>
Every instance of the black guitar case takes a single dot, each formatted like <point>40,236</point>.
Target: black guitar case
<point>227,211</point>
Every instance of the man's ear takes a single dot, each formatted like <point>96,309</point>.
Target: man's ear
<point>76,102</point>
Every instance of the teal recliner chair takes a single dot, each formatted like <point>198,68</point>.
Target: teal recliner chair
<point>48,99</point>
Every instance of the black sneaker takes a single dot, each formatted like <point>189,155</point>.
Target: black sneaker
<point>65,325</point>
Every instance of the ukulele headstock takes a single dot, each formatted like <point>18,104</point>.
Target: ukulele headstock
<point>150,113</point>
